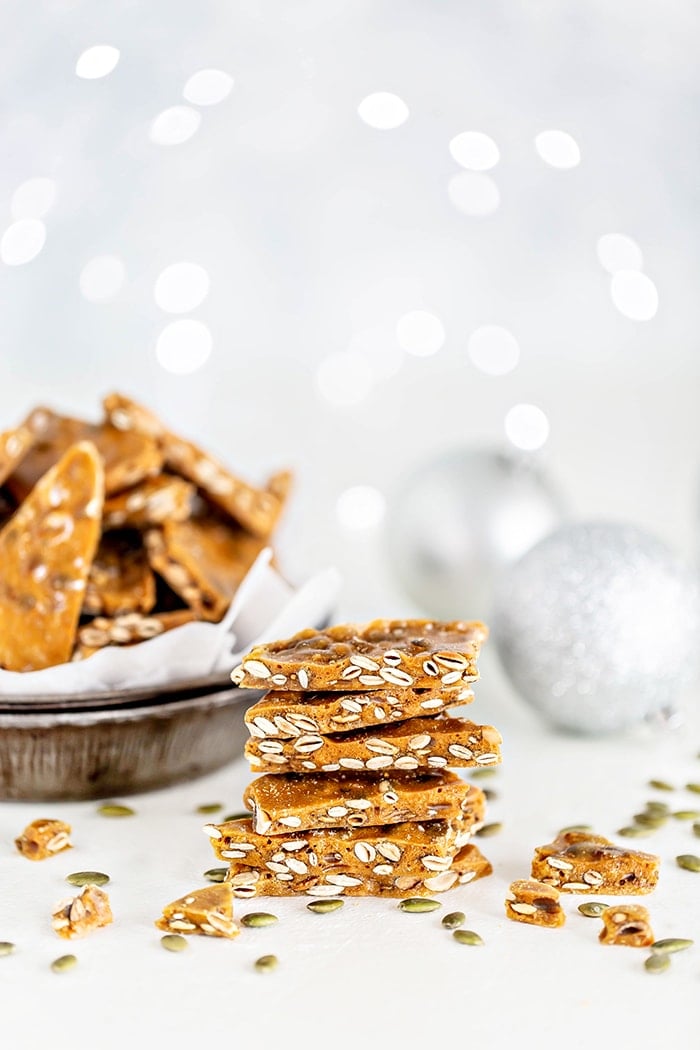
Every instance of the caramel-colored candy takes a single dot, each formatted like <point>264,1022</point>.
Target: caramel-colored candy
<point>7,506</point>
<point>578,862</point>
<point>535,903</point>
<point>77,916</point>
<point>44,838</point>
<point>257,510</point>
<point>208,911</point>
<point>417,654</point>
<point>127,630</point>
<point>46,550</point>
<point>418,743</point>
<point>289,713</point>
<point>155,500</point>
<point>204,560</point>
<point>626,924</point>
<point>127,458</point>
<point>299,802</point>
<point>14,446</point>
<point>466,866</point>
<point>120,578</point>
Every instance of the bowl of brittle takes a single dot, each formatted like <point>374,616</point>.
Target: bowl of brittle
<point>134,566</point>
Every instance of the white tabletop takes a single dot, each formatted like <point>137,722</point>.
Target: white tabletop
<point>368,974</point>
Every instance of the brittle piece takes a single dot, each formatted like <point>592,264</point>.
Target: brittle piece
<point>416,654</point>
<point>468,864</point>
<point>255,509</point>
<point>578,862</point>
<point>208,911</point>
<point>120,579</point>
<point>127,458</point>
<point>155,500</point>
<point>289,713</point>
<point>418,743</point>
<point>626,924</point>
<point>8,505</point>
<point>127,630</point>
<point>44,838</point>
<point>204,560</point>
<point>14,446</point>
<point>76,916</point>
<point>46,550</point>
<point>533,902</point>
<point>300,801</point>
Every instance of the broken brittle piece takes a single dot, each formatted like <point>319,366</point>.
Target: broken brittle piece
<point>44,838</point>
<point>165,497</point>
<point>416,654</point>
<point>77,916</point>
<point>14,446</point>
<point>626,924</point>
<point>299,802</point>
<point>535,903</point>
<point>418,743</point>
<point>208,911</point>
<point>120,580</point>
<point>288,713</point>
<point>579,862</point>
<point>46,550</point>
<point>127,630</point>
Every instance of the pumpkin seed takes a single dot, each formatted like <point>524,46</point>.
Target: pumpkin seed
<point>490,794</point>
<point>63,963</point>
<point>173,942</point>
<point>6,947</point>
<point>113,809</point>
<point>87,878</point>
<point>687,814</point>
<point>467,937</point>
<point>482,774</point>
<point>259,918</point>
<point>235,816</point>
<point>209,807</point>
<point>650,820</point>
<point>487,830</point>
<point>696,829</point>
<point>419,904</point>
<point>592,909</point>
<point>323,906</point>
<point>661,785</point>
<point>634,831</point>
<point>688,861</point>
<point>575,827</point>
<point>695,788</point>
<point>266,963</point>
<point>669,945</point>
<point>657,963</point>
<point>216,874</point>
<point>657,809</point>
<point>454,920</point>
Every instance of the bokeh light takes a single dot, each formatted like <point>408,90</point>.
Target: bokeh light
<point>493,350</point>
<point>558,149</point>
<point>33,199</point>
<point>181,287</point>
<point>360,507</point>
<point>475,150</point>
<point>101,278</point>
<point>634,294</point>
<point>184,346</point>
<point>96,62</point>
<point>527,427</point>
<point>474,194</point>
<point>22,241</point>
<point>379,350</point>
<point>383,110</point>
<point>618,252</point>
<point>175,125</point>
<point>344,379</point>
<point>208,87</point>
<point>421,333</point>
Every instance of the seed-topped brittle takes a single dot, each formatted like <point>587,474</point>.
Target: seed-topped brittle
<point>127,630</point>
<point>165,497</point>
<point>536,903</point>
<point>46,550</point>
<point>579,862</point>
<point>77,916</point>
<point>626,924</point>
<point>204,560</point>
<point>416,654</point>
<point>287,713</point>
<point>14,446</point>
<point>257,510</point>
<point>120,580</point>
<point>208,911</point>
<point>299,802</point>
<point>44,838</point>
<point>418,743</point>
<point>466,866</point>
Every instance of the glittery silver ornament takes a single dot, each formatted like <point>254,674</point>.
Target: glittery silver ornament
<point>456,522</point>
<point>597,627</point>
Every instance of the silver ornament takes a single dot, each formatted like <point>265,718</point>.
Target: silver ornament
<point>456,522</point>
<point>597,627</point>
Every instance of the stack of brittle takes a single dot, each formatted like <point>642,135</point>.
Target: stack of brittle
<point>114,532</point>
<point>356,749</point>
